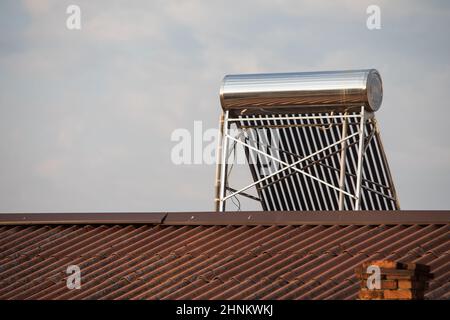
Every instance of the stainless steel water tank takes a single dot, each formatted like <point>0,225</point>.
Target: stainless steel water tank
<point>303,92</point>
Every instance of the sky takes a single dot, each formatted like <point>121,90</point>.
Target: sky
<point>86,116</point>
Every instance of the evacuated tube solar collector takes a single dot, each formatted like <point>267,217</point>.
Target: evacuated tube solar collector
<point>333,177</point>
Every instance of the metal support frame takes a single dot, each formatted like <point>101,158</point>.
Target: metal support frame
<point>289,166</point>
<point>223,162</point>
<point>342,164</point>
<point>357,205</point>
<point>294,167</point>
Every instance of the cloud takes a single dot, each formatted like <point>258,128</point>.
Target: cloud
<point>50,168</point>
<point>37,8</point>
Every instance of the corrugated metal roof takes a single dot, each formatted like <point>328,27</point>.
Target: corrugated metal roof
<point>182,257</point>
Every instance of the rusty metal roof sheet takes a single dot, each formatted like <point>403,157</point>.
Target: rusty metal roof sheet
<point>289,255</point>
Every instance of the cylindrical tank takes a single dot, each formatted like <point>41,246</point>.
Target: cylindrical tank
<point>303,92</point>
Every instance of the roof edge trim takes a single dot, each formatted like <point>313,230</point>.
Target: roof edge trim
<point>232,218</point>
<point>82,218</point>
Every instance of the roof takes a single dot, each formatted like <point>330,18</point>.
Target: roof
<point>245,255</point>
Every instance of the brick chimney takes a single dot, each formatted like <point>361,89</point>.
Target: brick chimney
<point>391,280</point>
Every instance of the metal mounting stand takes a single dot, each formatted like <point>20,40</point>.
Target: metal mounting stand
<point>224,192</point>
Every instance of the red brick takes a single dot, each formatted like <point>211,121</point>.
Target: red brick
<point>366,294</point>
<point>384,284</point>
<point>417,267</point>
<point>411,284</point>
<point>402,294</point>
<point>387,264</point>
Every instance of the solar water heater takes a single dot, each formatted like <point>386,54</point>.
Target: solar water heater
<point>311,141</point>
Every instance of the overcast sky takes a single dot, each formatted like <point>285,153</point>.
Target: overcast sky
<point>86,115</point>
